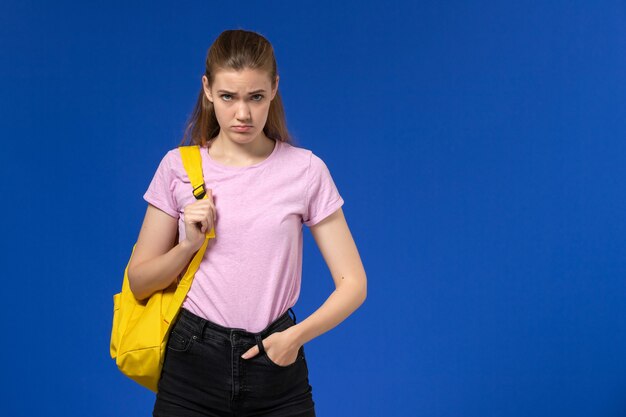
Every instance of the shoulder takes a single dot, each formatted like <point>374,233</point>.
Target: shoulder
<point>172,159</point>
<point>304,162</point>
<point>171,165</point>
<point>294,152</point>
<point>311,166</point>
<point>173,155</point>
<point>301,156</point>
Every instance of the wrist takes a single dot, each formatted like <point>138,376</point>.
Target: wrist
<point>296,335</point>
<point>186,247</point>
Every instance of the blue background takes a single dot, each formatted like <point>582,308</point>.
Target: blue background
<point>479,147</point>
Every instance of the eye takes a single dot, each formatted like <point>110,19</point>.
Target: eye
<point>260,96</point>
<point>224,95</point>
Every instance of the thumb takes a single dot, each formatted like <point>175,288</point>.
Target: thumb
<point>250,353</point>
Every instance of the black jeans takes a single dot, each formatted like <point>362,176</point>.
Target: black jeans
<point>204,375</point>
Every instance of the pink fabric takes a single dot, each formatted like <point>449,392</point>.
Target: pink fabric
<point>251,271</point>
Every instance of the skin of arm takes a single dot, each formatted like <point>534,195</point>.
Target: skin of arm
<point>157,260</point>
<point>340,253</point>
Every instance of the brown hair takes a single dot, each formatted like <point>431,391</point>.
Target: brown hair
<point>236,50</point>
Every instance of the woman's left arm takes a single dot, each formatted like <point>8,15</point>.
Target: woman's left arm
<point>337,246</point>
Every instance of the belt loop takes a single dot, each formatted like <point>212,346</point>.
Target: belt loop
<point>293,313</point>
<point>202,326</point>
<point>259,342</point>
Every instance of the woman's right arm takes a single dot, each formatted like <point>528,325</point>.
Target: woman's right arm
<point>157,259</point>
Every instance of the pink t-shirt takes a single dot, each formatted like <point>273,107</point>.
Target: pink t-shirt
<point>251,271</point>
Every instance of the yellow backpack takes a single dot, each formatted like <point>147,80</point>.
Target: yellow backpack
<point>141,328</point>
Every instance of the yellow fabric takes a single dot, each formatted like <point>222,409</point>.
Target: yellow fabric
<point>141,328</point>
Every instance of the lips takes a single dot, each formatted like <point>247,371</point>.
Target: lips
<point>242,128</point>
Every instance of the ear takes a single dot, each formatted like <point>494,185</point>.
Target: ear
<point>275,90</point>
<point>207,88</point>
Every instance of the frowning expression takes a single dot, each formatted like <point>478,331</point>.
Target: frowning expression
<point>241,100</point>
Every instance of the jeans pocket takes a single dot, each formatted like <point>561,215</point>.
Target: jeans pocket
<point>298,360</point>
<point>180,340</point>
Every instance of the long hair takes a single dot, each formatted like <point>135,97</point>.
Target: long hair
<point>236,50</point>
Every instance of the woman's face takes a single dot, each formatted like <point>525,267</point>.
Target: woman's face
<point>241,98</point>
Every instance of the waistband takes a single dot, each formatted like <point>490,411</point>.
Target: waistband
<point>234,334</point>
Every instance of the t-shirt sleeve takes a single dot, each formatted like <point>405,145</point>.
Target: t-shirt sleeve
<point>160,191</point>
<point>322,196</point>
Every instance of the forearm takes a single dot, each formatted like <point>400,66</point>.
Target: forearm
<point>338,306</point>
<point>160,272</point>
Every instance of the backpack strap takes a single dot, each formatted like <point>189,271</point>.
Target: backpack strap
<point>192,161</point>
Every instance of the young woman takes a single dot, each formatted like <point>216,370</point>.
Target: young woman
<point>235,349</point>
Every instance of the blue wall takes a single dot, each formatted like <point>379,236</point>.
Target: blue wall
<point>479,147</point>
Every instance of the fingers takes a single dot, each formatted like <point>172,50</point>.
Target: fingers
<point>209,198</point>
<point>253,351</point>
<point>201,214</point>
<point>203,220</point>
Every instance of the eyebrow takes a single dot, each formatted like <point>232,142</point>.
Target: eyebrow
<point>234,94</point>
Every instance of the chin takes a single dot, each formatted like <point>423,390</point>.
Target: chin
<point>245,137</point>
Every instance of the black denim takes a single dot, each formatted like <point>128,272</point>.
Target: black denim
<point>204,375</point>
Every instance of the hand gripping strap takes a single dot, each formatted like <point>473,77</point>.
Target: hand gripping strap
<point>192,161</point>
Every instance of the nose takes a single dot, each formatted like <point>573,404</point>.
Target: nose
<point>243,112</point>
